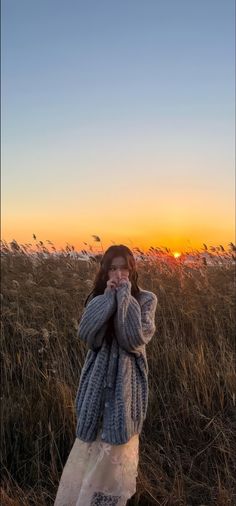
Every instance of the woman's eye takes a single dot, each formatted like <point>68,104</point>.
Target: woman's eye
<point>122,268</point>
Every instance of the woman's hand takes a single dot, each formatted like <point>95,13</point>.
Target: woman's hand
<point>114,285</point>
<point>111,285</point>
<point>124,281</point>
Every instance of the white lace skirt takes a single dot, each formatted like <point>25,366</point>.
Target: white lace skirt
<point>99,474</point>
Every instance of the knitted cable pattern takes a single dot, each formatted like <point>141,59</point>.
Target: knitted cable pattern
<point>134,325</point>
<point>93,323</point>
<point>114,378</point>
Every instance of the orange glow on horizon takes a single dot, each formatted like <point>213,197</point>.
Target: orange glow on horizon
<point>143,243</point>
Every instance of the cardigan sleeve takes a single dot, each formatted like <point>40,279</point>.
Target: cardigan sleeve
<point>134,324</point>
<point>93,322</point>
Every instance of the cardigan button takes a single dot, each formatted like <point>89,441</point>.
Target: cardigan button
<point>103,435</point>
<point>114,355</point>
<point>107,403</point>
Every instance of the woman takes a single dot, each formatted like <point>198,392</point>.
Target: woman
<point>111,403</point>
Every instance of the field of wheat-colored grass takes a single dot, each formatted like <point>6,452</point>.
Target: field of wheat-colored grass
<point>188,444</point>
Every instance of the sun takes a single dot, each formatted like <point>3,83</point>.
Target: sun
<point>177,254</point>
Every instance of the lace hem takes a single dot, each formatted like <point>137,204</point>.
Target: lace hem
<point>99,473</point>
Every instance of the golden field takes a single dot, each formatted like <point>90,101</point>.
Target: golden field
<point>188,444</point>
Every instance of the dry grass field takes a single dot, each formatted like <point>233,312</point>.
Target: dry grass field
<point>188,444</point>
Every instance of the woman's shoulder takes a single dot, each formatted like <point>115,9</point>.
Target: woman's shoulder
<point>146,295</point>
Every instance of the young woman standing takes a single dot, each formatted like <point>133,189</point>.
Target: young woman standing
<point>111,403</point>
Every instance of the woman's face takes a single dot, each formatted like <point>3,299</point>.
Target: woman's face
<point>118,269</point>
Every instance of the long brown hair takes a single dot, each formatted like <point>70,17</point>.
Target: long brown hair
<point>100,282</point>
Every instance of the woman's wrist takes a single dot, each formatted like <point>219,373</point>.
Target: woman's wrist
<point>109,293</point>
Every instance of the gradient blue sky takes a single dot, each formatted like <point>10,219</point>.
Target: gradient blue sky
<point>118,120</point>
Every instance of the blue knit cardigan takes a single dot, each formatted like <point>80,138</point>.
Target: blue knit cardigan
<point>113,386</point>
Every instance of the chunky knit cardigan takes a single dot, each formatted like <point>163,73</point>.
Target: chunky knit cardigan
<point>113,386</point>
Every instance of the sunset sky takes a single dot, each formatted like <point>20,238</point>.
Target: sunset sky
<point>118,120</point>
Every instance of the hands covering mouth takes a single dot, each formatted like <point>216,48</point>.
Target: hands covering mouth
<point>112,284</point>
